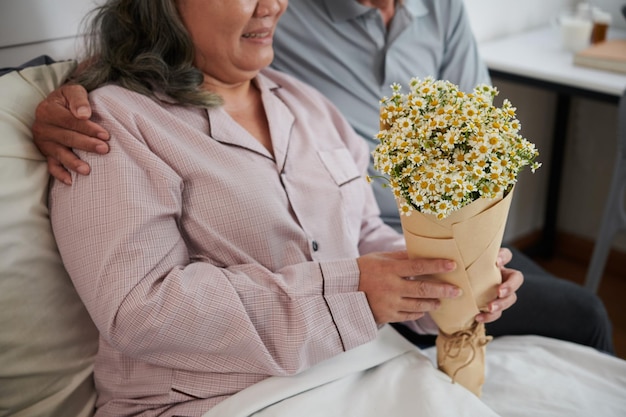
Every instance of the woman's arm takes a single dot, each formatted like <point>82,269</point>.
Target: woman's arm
<point>119,234</point>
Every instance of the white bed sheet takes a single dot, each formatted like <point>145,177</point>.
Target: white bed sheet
<point>389,377</point>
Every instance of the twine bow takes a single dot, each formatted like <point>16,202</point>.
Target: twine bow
<point>455,344</point>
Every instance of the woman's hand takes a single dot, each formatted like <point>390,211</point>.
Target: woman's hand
<point>401,289</point>
<point>512,280</point>
<point>62,122</point>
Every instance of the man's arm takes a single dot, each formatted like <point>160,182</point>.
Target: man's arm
<point>461,62</point>
<point>61,123</point>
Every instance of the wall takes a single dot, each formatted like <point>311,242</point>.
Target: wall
<point>497,18</point>
<point>29,28</point>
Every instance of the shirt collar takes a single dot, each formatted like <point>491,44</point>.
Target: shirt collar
<point>264,82</point>
<point>341,10</point>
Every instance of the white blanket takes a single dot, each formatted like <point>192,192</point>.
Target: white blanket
<point>389,377</point>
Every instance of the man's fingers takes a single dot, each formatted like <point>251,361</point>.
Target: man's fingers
<point>61,124</point>
<point>59,172</point>
<point>75,133</point>
<point>70,139</point>
<point>78,100</point>
<point>55,121</point>
<point>63,158</point>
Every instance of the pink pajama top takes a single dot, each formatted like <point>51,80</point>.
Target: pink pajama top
<point>206,263</point>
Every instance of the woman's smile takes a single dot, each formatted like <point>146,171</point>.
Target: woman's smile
<point>233,39</point>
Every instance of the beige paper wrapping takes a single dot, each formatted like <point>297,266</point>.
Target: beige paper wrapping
<point>471,236</point>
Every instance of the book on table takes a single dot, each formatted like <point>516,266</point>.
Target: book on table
<point>609,55</point>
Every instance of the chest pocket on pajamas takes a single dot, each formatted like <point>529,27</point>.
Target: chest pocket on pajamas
<point>344,171</point>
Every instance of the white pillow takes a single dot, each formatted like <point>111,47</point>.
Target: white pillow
<point>47,340</point>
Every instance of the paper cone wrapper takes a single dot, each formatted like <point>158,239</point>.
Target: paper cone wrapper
<point>471,236</point>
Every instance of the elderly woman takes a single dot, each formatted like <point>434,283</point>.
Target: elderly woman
<point>229,235</point>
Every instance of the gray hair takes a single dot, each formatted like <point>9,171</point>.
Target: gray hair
<point>142,45</point>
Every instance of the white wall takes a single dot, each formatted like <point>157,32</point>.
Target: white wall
<point>29,28</point>
<point>496,18</point>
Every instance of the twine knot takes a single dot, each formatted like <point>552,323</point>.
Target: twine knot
<point>460,341</point>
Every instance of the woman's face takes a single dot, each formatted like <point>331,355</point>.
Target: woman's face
<point>233,38</point>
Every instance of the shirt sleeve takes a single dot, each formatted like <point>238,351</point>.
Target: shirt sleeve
<point>425,325</point>
<point>462,62</point>
<point>118,233</point>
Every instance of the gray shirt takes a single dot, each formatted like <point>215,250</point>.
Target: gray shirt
<point>344,50</point>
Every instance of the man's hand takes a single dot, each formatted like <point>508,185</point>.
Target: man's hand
<point>62,122</point>
<point>512,280</point>
<point>402,289</point>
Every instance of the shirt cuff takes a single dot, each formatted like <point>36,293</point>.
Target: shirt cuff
<point>340,276</point>
<point>348,307</point>
<point>353,318</point>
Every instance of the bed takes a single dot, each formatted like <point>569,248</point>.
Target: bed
<point>525,376</point>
